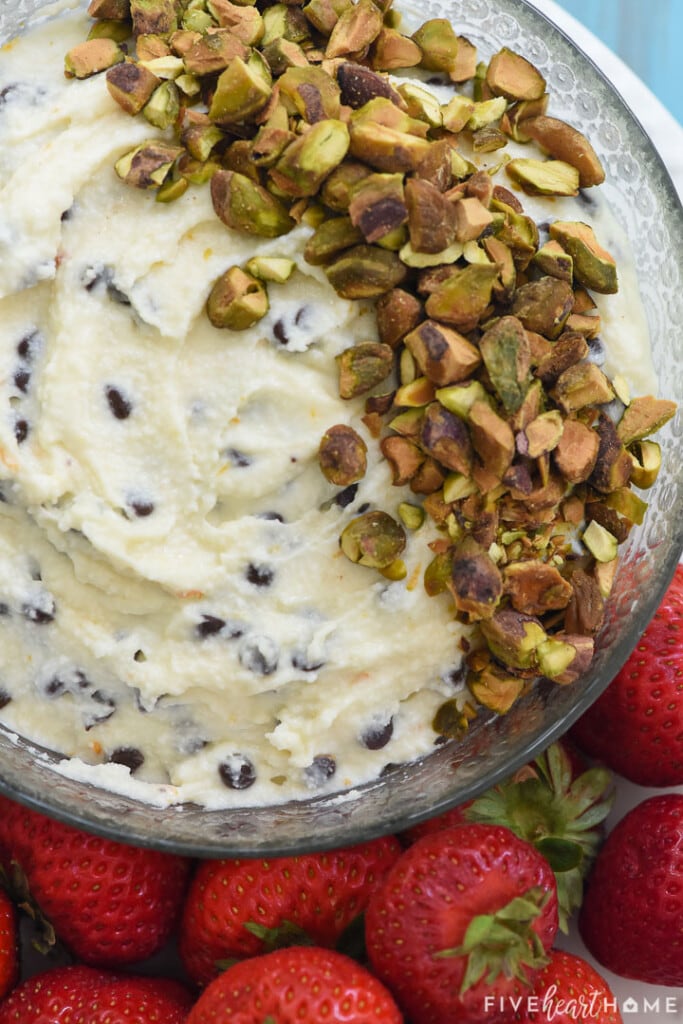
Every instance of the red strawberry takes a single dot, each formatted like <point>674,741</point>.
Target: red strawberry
<point>553,803</point>
<point>111,904</point>
<point>9,945</point>
<point>636,726</point>
<point>298,985</point>
<point>632,914</point>
<point>569,990</point>
<point>84,995</point>
<point>240,908</point>
<point>464,914</point>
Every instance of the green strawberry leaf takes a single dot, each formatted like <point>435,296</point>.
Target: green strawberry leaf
<point>351,942</point>
<point>561,854</point>
<point>287,933</point>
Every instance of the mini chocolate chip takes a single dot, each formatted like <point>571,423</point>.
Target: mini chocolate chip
<point>301,315</point>
<point>96,716</point>
<point>7,92</point>
<point>237,772</point>
<point>140,656</point>
<point>596,351</point>
<point>303,663</point>
<point>4,608</point>
<point>586,198</point>
<point>377,736</point>
<point>260,655</point>
<point>321,769</point>
<point>280,332</point>
<point>142,508</point>
<point>21,380</point>
<point>120,407</point>
<point>116,295</point>
<point>274,516</point>
<point>40,616</point>
<point>456,676</point>
<point>365,507</point>
<point>93,276</point>
<point>260,575</point>
<point>21,431</point>
<point>239,459</point>
<point>5,697</point>
<point>344,498</point>
<point>130,757</point>
<point>55,688</point>
<point>26,349</point>
<point>66,214</point>
<point>209,626</point>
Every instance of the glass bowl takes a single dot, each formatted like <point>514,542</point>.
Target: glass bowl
<point>644,201</point>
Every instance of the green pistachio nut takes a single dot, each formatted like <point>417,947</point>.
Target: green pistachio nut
<point>237,300</point>
<point>242,91</point>
<point>439,44</point>
<point>246,206</point>
<point>308,160</point>
<point>374,540</point>
<point>362,367</point>
<point>148,165</point>
<point>91,57</point>
<point>163,108</point>
<point>365,272</point>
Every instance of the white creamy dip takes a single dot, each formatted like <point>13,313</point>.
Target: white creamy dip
<point>171,582</point>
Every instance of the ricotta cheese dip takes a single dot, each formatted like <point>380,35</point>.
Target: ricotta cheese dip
<point>176,617</point>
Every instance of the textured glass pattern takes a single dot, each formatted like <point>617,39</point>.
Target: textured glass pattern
<point>643,199</point>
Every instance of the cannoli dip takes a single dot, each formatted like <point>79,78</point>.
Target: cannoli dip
<point>177,619</point>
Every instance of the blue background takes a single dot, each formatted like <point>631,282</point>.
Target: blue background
<point>646,34</point>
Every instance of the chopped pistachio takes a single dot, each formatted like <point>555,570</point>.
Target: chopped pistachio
<point>476,582</point>
<point>408,423</point>
<point>173,188</point>
<point>581,385</point>
<point>357,27</point>
<point>153,17</point>
<point>91,57</point>
<point>492,438</point>
<point>150,47</point>
<point>115,10</point>
<point>245,22</point>
<point>166,66</point>
<point>148,165</point>
<point>488,139</point>
<point>324,14</point>
<point>374,540</point>
<point>276,269</point>
<point>197,21</point>
<point>342,455</point>
<point>242,90</point>
<point>392,50</point>
<point>566,143</point>
<point>430,259</point>
<point>459,398</point>
<point>246,206</point>
<point>131,86</point>
<point>189,85</point>
<point>412,516</point>
<point>458,486</point>
<point>362,367</point>
<point>385,148</point>
<point>443,355</point>
<point>331,238</point>
<point>515,117</point>
<point>514,77</point>
<point>119,31</point>
<point>551,259</point>
<point>544,305</point>
<point>212,53</point>
<point>554,657</point>
<point>486,112</point>
<point>447,439</point>
<point>543,434</point>
<point>415,393</point>
<point>439,44</point>
<point>647,462</point>
<point>438,574</point>
<point>378,206</point>
<point>505,351</point>
<point>627,504</point>
<point>465,62</point>
<point>600,542</point>
<point>544,177</point>
<point>513,638</point>
<point>396,571</point>
<point>237,301</point>
<point>163,108</point>
<point>338,188</point>
<point>456,113</point>
<point>594,267</point>
<point>407,367</point>
<point>404,457</point>
<point>397,313</point>
<point>365,272</point>
<point>421,103</point>
<point>462,298</point>
<point>310,92</point>
<point>644,416</point>
<point>200,140</point>
<point>308,160</point>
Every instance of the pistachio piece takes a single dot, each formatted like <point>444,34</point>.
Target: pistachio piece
<point>495,689</point>
<point>362,367</point>
<point>644,416</point>
<point>148,165</point>
<point>439,44</point>
<point>535,588</point>
<point>463,297</point>
<point>594,267</point>
<point>542,434</point>
<point>403,456</point>
<point>570,348</point>
<point>173,188</point>
<point>458,486</point>
<point>385,148</point>
<point>324,14</point>
<point>412,516</point>
<point>310,93</point>
<point>131,85</point>
<point>91,57</point>
<point>432,219</point>
<point>600,542</point>
<point>456,113</point>
<point>566,143</point>
<point>163,108</point>
<point>552,260</point>
<point>476,582</point>
<point>397,312</point>
<point>647,462</point>
<point>331,238</point>
<point>365,272</point>
<point>339,187</point>
<point>555,657</point>
<point>513,637</point>
<point>391,50</point>
<point>374,540</point>
<point>438,574</point>
<point>505,351</point>
<point>501,254</point>
<point>242,204</point>
<point>237,300</point>
<point>446,438</point>
<point>119,31</point>
<point>586,610</point>
<point>200,140</point>
<point>408,423</point>
<point>213,52</point>
<point>492,438</point>
<point>460,398</point>
<point>544,177</point>
<point>114,10</point>
<point>517,231</point>
<point>378,205</point>
<point>614,464</point>
<point>342,455</point>
<point>544,305</point>
<point>551,659</point>
<point>421,103</point>
<point>421,260</point>
<point>472,219</point>
<point>194,20</point>
<point>415,393</point>
<point>513,120</point>
<point>308,160</point>
<point>354,31</point>
<point>627,504</point>
<point>581,385</point>
<point>167,66</point>
<point>283,21</point>
<point>443,355</point>
<point>151,47</point>
<point>486,112</point>
<point>153,17</point>
<point>514,77</point>
<point>242,90</point>
<point>359,85</point>
<point>277,269</point>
